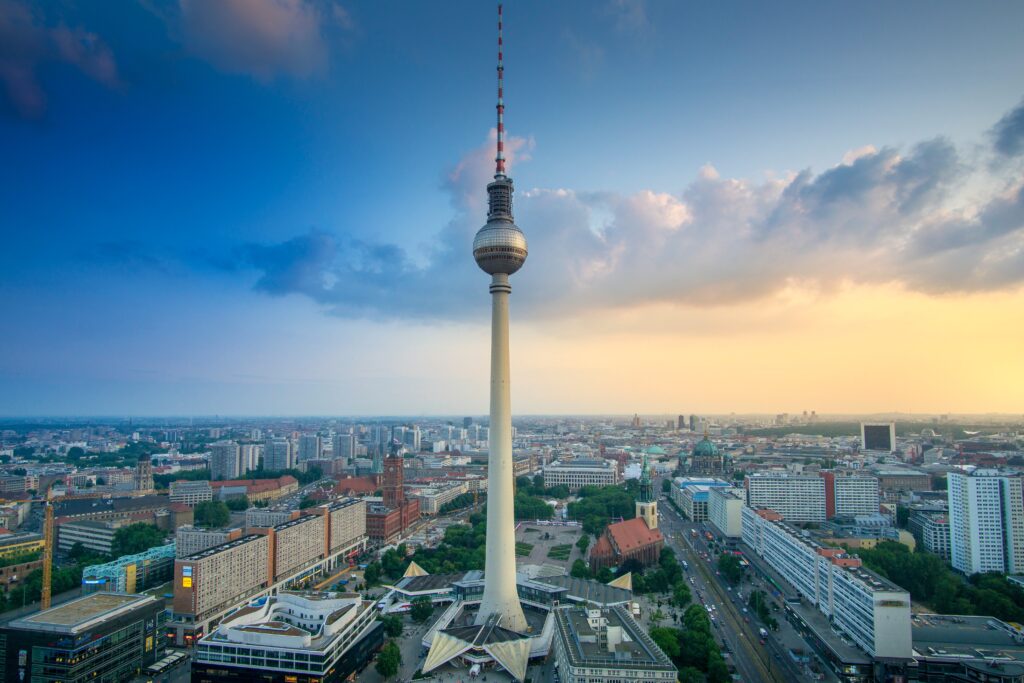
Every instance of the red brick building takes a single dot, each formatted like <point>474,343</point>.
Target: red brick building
<point>627,540</point>
<point>386,522</point>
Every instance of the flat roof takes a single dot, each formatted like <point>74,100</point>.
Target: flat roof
<point>82,613</point>
<point>587,590</point>
<point>966,637</point>
<point>585,648</point>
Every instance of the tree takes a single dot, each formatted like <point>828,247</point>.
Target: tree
<point>307,502</point>
<point>75,453</point>
<point>668,640</point>
<point>583,543</point>
<point>135,538</point>
<point>77,551</point>
<point>392,624</point>
<point>211,514</point>
<point>681,595</point>
<point>579,570</point>
<point>237,503</point>
<point>666,485</point>
<point>531,507</point>
<point>372,573</point>
<point>389,660</point>
<point>730,567</point>
<point>422,608</point>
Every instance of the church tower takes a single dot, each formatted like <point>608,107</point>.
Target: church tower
<point>646,504</point>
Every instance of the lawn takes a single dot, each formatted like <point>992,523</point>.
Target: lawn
<point>523,549</point>
<point>560,552</point>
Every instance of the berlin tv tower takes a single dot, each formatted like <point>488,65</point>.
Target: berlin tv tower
<point>500,250</point>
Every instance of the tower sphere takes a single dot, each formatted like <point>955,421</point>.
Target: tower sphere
<point>499,247</point>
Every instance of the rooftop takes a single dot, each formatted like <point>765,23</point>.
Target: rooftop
<point>588,590</point>
<point>992,642</point>
<point>635,650</point>
<point>82,613</point>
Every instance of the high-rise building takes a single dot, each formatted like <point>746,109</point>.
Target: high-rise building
<point>986,522</point>
<point>248,458</point>
<point>310,447</point>
<point>344,446</point>
<point>798,498</point>
<point>848,494</point>
<point>681,422</point>
<point>277,454</point>
<point>225,460</point>
<point>878,436</point>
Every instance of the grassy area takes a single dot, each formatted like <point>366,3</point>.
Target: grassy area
<point>523,549</point>
<point>530,529</point>
<point>560,552</point>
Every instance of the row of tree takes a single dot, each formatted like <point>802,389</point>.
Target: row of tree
<point>693,648</point>
<point>535,487</point>
<point>597,506</point>
<point>930,580</point>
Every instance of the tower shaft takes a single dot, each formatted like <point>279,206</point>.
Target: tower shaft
<point>500,594</point>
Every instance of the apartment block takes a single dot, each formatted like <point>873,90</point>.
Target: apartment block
<point>797,497</point>
<point>872,611</point>
<point>986,522</point>
<point>725,510</point>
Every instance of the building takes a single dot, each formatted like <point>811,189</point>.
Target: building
<point>310,447</point>
<point>94,535</point>
<point>190,493</point>
<point>190,540</point>
<point>265,517</point>
<point>967,648</point>
<point>291,637</point>
<point>131,573</point>
<point>212,582</point>
<point>156,510</point>
<point>98,637</point>
<point>16,545</point>
<point>849,494</point>
<point>581,472</point>
<point>387,521</point>
<point>593,645</point>
<point>225,460</point>
<point>986,522</point>
<point>725,510</point>
<point>628,540</point>
<point>880,436</point>
<point>278,454</point>
<point>432,499</point>
<point>144,473</point>
<point>691,496</point>
<point>646,502</point>
<point>931,530</point>
<point>255,489</point>
<point>897,480</point>
<point>344,446</point>
<point>797,497</point>
<point>706,459</point>
<point>871,611</point>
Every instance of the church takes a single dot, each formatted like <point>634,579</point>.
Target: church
<point>633,539</point>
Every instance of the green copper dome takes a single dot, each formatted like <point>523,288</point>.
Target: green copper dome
<point>705,448</point>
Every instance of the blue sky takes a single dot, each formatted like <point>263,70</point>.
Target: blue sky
<point>258,206</point>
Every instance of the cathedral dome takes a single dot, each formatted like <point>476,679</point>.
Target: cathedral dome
<point>705,448</point>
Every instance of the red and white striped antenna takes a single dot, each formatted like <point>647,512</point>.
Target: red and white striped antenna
<point>499,161</point>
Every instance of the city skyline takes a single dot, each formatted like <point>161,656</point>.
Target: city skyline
<point>275,220</point>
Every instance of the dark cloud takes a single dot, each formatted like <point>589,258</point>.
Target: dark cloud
<point>1008,133</point>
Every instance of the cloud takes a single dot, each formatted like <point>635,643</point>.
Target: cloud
<point>262,38</point>
<point>27,43</point>
<point>882,216</point>
<point>1008,133</point>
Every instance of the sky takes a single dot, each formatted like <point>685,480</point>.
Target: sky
<point>266,207</point>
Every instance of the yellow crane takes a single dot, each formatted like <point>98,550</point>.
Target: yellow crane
<point>44,602</point>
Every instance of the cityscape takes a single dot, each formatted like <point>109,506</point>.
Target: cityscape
<point>230,452</point>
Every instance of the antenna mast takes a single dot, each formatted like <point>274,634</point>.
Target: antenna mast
<point>499,161</point>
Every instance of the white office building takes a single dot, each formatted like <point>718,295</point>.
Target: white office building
<point>725,510</point>
<point>797,497</point>
<point>871,611</point>
<point>986,522</point>
<point>190,493</point>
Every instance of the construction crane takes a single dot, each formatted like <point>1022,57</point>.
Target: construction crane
<point>44,601</point>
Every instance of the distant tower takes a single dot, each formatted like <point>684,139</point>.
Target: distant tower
<point>144,474</point>
<point>646,504</point>
<point>394,479</point>
<point>500,250</point>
